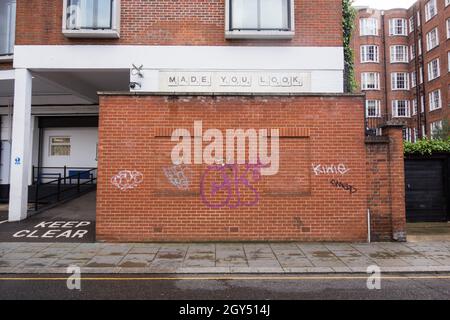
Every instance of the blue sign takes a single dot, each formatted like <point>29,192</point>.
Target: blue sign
<point>17,161</point>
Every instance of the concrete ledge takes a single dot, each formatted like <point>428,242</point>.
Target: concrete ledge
<point>231,94</point>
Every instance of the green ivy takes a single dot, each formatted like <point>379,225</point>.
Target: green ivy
<point>427,147</point>
<point>348,24</point>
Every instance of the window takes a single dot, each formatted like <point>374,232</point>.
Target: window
<point>7,26</point>
<point>435,100</point>
<point>399,54</point>
<point>59,146</point>
<point>399,81</point>
<point>373,108</point>
<point>368,27</point>
<point>448,60</point>
<point>398,27</point>
<point>369,53</point>
<point>91,18</point>
<point>411,24</point>
<point>407,134</point>
<point>432,39</point>
<point>435,127</point>
<point>447,2</point>
<point>260,19</point>
<point>448,28</point>
<point>420,75</point>
<point>414,107</point>
<point>419,21</point>
<point>415,134</point>
<point>430,9</point>
<point>370,81</point>
<point>400,108</point>
<point>413,79</point>
<point>412,50</point>
<point>419,47</point>
<point>433,69</point>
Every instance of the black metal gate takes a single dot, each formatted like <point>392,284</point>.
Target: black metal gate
<point>427,188</point>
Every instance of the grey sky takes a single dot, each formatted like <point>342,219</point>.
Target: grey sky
<point>385,4</point>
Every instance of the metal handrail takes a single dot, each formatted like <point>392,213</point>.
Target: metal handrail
<point>38,184</point>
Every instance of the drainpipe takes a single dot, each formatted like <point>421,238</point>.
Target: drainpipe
<point>383,41</point>
<point>369,239</point>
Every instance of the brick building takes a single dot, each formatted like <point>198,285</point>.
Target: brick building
<point>402,64</point>
<point>160,74</point>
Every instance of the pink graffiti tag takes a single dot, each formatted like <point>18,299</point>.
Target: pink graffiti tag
<point>227,184</point>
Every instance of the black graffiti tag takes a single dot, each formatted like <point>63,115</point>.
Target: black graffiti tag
<point>344,186</point>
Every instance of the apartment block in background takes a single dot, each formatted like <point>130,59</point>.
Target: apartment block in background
<point>402,65</point>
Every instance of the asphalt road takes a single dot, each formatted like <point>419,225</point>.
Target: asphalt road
<point>239,287</point>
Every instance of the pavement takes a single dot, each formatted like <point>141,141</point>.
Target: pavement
<point>224,258</point>
<point>428,231</point>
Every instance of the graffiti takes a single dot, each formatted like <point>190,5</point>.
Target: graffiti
<point>179,176</point>
<point>320,169</point>
<point>127,180</point>
<point>238,182</point>
<point>344,186</point>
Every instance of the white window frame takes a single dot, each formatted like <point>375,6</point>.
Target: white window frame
<point>393,27</point>
<point>414,106</point>
<point>395,54</point>
<point>412,52</point>
<point>431,10</point>
<point>262,34</point>
<point>395,82</point>
<point>447,2</point>
<point>364,53</point>
<point>368,29</point>
<point>364,80</point>
<point>434,69</point>
<point>436,125</point>
<point>448,28</point>
<point>430,44</point>
<point>395,105</point>
<point>113,33</point>
<point>448,59</point>
<point>377,107</point>
<point>10,32</point>
<point>413,77</point>
<point>411,24</point>
<point>407,134</point>
<point>435,104</point>
<point>51,144</point>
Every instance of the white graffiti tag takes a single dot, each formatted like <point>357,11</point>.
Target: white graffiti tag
<point>319,169</point>
<point>126,180</point>
<point>179,176</point>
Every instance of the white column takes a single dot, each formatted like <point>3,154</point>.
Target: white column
<point>20,150</point>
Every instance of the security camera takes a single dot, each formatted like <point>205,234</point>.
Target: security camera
<point>134,85</point>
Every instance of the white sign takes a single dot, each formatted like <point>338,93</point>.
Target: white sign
<point>222,81</point>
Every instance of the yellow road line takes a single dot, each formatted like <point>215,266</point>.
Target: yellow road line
<point>297,278</point>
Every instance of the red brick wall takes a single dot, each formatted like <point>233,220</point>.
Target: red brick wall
<point>179,22</point>
<point>296,204</point>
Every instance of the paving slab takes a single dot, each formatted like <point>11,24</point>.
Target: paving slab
<point>225,258</point>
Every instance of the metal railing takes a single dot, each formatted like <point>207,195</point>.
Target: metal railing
<point>71,184</point>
